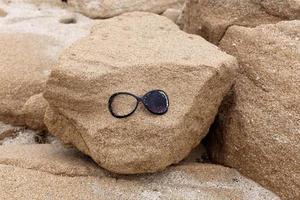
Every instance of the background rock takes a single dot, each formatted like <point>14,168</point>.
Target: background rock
<point>258,128</point>
<point>56,3</point>
<point>34,110</point>
<point>211,18</point>
<point>115,57</point>
<point>289,9</point>
<point>111,8</point>
<point>172,14</point>
<point>33,39</point>
<point>48,171</point>
<point>24,66</point>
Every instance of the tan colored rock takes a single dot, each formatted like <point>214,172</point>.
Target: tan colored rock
<point>2,13</point>
<point>32,39</point>
<point>289,9</point>
<point>111,8</point>
<point>137,52</point>
<point>48,171</point>
<point>211,18</point>
<point>34,110</point>
<point>49,158</point>
<point>24,66</point>
<point>172,14</point>
<point>258,129</point>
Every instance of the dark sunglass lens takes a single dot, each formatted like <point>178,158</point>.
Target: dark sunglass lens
<point>123,104</point>
<point>156,102</point>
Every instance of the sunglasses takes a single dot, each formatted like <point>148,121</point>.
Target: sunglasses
<point>124,104</point>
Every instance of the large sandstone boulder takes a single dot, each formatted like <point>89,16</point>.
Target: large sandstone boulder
<point>285,8</point>
<point>137,52</point>
<point>258,128</point>
<point>51,172</point>
<point>172,14</point>
<point>111,8</point>
<point>211,18</point>
<point>31,38</point>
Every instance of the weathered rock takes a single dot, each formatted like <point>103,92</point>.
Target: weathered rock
<point>137,52</point>
<point>284,8</point>
<point>32,40</point>
<point>180,19</point>
<point>48,171</point>
<point>111,8</point>
<point>258,128</point>
<point>211,18</point>
<point>172,14</point>
<point>34,110</point>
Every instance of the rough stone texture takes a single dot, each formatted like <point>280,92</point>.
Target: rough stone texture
<point>51,172</point>
<point>32,39</point>
<point>111,8</point>
<point>24,66</point>
<point>258,129</point>
<point>211,18</point>
<point>289,9</point>
<point>34,110</point>
<point>172,14</point>
<point>137,52</point>
<point>49,158</point>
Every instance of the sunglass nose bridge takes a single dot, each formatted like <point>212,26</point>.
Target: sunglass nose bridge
<point>140,99</point>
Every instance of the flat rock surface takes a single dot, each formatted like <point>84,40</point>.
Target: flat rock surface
<point>52,172</point>
<point>259,126</point>
<point>136,53</point>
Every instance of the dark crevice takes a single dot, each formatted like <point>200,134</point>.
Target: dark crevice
<point>214,140</point>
